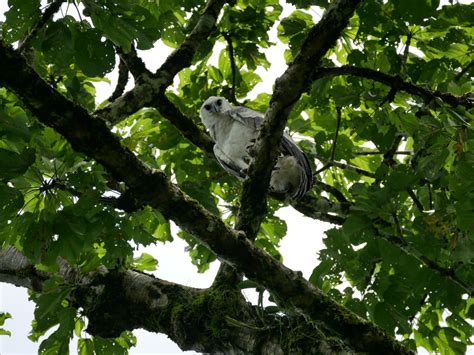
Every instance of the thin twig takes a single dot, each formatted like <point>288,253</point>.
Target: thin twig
<point>425,261</point>
<point>343,166</point>
<point>397,225</point>
<point>44,19</point>
<point>406,52</point>
<point>394,81</point>
<point>415,199</point>
<point>422,303</point>
<point>354,169</point>
<point>376,152</point>
<point>430,195</point>
<point>233,66</point>
<point>135,64</point>
<point>388,155</point>
<point>77,9</point>
<point>389,97</point>
<point>333,191</point>
<point>121,82</point>
<point>336,134</point>
<point>325,167</point>
<point>389,161</point>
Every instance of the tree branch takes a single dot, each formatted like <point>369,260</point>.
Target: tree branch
<point>233,66</point>
<point>147,186</point>
<point>146,92</point>
<point>344,166</point>
<point>336,134</point>
<point>423,260</point>
<point>388,155</point>
<point>320,208</point>
<point>186,315</point>
<point>394,81</point>
<point>184,124</point>
<point>47,15</point>
<point>406,51</point>
<point>376,152</point>
<point>134,63</point>
<point>335,192</point>
<point>121,81</point>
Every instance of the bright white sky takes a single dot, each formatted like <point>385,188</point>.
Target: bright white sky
<point>299,248</point>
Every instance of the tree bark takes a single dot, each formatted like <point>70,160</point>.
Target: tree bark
<point>204,320</point>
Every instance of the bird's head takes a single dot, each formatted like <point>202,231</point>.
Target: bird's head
<point>215,104</point>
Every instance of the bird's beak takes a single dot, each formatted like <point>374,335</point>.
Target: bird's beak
<point>215,108</point>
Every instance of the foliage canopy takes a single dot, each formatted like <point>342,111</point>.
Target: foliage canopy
<point>385,116</point>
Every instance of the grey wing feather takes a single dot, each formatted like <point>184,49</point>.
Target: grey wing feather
<point>254,119</point>
<point>227,164</point>
<point>246,116</point>
<point>290,148</point>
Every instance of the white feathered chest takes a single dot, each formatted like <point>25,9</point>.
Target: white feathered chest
<point>231,136</point>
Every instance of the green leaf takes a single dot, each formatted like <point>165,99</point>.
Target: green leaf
<point>296,23</point>
<point>94,56</point>
<point>268,247</point>
<point>3,317</point>
<point>415,11</point>
<point>19,19</point>
<point>11,200</point>
<point>85,346</point>
<point>401,178</point>
<point>123,22</point>
<point>58,45</point>
<point>356,224</point>
<point>145,262</point>
<point>108,346</point>
<point>78,326</point>
<point>224,65</point>
<point>49,302</point>
<point>15,164</point>
<point>13,123</point>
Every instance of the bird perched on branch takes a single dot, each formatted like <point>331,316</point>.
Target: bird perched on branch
<point>234,130</point>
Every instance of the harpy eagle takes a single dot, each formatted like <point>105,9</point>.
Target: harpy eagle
<point>234,130</point>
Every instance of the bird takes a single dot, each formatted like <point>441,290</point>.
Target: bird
<point>234,130</point>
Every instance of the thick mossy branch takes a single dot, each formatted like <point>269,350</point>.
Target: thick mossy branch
<point>91,137</point>
<point>134,63</point>
<point>143,94</point>
<point>396,83</point>
<point>205,320</point>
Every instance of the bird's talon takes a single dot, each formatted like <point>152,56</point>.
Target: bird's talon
<point>250,150</point>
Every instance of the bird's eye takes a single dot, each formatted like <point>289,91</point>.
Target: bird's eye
<point>207,107</point>
<point>219,102</point>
